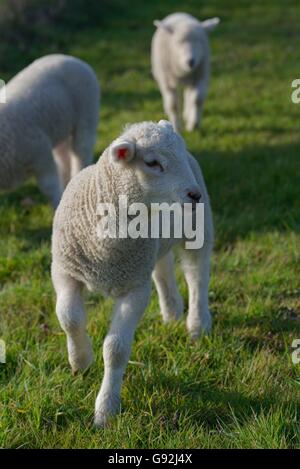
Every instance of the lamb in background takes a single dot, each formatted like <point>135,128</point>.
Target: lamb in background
<point>48,124</point>
<point>180,56</point>
<point>147,163</point>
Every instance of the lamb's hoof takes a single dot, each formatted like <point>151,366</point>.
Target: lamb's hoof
<point>174,310</point>
<point>191,126</point>
<point>81,363</point>
<point>176,127</point>
<point>171,316</point>
<point>196,330</point>
<point>102,420</point>
<point>81,368</point>
<point>105,409</point>
<point>84,372</point>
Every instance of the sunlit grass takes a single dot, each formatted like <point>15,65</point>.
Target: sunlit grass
<point>237,388</point>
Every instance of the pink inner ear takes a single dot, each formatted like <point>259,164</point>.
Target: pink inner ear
<point>122,152</point>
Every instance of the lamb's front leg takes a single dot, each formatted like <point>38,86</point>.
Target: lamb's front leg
<point>116,350</point>
<point>170,300</point>
<point>196,268</point>
<point>193,106</point>
<point>72,318</point>
<point>171,105</point>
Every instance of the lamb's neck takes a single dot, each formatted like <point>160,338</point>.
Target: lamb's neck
<point>115,181</point>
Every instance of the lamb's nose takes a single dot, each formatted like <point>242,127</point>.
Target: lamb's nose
<point>191,63</point>
<point>195,196</point>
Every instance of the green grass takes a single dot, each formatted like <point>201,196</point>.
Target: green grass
<point>237,388</point>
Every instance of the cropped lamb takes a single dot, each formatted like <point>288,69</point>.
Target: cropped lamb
<point>48,123</point>
<point>180,56</point>
<point>147,163</point>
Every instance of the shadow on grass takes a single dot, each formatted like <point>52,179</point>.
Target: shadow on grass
<point>15,201</point>
<point>213,408</point>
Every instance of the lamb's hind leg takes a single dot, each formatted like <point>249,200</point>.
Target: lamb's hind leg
<point>62,157</point>
<point>72,318</point>
<point>82,145</point>
<point>170,300</point>
<point>116,351</point>
<point>46,172</point>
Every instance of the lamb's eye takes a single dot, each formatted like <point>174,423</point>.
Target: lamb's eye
<point>154,164</point>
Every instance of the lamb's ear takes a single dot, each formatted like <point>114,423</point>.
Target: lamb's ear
<point>122,150</point>
<point>162,25</point>
<point>210,24</point>
<point>166,124</point>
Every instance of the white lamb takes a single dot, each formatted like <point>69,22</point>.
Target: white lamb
<point>147,163</point>
<point>180,56</point>
<point>48,123</point>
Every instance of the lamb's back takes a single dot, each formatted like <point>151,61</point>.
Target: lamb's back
<point>51,94</point>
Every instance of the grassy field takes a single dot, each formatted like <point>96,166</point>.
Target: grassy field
<point>238,388</point>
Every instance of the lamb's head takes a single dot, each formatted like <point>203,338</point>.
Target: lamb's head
<point>188,40</point>
<point>150,162</point>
